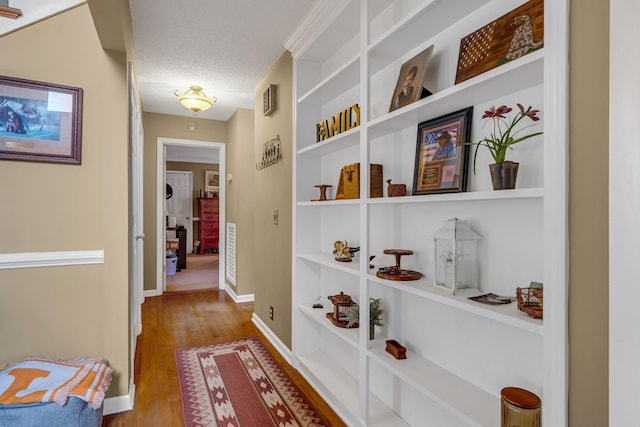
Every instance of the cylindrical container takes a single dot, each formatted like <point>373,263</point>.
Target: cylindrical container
<point>520,408</point>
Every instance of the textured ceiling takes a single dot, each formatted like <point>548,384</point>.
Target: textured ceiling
<point>225,46</point>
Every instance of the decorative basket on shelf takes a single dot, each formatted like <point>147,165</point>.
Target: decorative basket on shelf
<point>530,301</point>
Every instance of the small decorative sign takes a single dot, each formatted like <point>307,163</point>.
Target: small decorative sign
<point>269,100</point>
<point>342,122</point>
<point>509,37</point>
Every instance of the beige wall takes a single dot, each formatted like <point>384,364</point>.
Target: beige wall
<point>588,214</point>
<point>240,197</point>
<point>272,247</point>
<point>165,126</point>
<point>76,310</point>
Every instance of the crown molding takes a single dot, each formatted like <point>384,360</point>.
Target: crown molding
<point>314,23</point>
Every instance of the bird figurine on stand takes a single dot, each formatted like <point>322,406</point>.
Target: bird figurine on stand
<point>342,252</point>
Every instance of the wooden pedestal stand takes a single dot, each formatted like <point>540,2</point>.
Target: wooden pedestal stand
<point>323,192</point>
<point>402,275</point>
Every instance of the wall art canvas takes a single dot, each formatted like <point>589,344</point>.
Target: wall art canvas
<point>39,121</point>
<point>441,154</point>
<point>509,37</point>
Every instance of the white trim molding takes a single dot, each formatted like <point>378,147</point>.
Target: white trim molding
<point>314,23</point>
<point>123,403</point>
<point>150,293</point>
<point>237,298</point>
<point>273,338</point>
<point>50,259</point>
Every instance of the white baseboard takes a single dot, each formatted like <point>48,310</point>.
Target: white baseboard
<point>150,293</point>
<point>273,338</point>
<point>237,299</point>
<point>114,405</point>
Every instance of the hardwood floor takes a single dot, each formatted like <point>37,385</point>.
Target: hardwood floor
<point>188,319</point>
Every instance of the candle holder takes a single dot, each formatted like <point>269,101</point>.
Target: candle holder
<point>395,272</point>
<point>323,192</point>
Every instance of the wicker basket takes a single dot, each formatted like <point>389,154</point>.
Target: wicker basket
<point>530,301</point>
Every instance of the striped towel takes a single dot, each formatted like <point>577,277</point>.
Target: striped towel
<point>43,380</point>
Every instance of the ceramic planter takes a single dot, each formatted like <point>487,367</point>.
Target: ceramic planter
<point>504,175</point>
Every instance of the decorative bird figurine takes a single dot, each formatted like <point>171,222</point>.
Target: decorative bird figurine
<point>343,252</point>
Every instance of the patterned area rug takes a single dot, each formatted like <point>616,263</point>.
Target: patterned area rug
<point>238,383</point>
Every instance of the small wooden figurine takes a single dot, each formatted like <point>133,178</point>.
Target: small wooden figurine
<point>341,305</point>
<point>396,190</point>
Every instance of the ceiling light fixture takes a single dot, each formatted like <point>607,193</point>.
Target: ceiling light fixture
<point>195,100</point>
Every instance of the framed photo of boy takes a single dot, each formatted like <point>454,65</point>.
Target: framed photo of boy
<point>39,121</point>
<point>441,154</point>
<point>410,85</point>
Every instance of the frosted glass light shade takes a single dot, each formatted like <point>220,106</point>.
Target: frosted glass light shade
<point>195,100</point>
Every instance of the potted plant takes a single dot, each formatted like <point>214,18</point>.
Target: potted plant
<point>504,172</point>
<point>375,315</point>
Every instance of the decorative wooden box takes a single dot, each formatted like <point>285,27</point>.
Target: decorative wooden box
<point>349,182</point>
<point>396,349</point>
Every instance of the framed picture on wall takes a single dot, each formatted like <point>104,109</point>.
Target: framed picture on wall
<point>441,154</point>
<point>40,122</point>
<point>212,181</point>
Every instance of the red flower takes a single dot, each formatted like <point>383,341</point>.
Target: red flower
<point>499,112</point>
<point>529,113</point>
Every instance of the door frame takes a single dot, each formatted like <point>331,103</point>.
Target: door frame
<point>190,214</point>
<point>136,224</point>
<point>161,234</point>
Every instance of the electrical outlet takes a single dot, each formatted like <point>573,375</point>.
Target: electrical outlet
<point>271,312</point>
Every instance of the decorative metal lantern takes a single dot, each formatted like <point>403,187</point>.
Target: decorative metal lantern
<point>456,263</point>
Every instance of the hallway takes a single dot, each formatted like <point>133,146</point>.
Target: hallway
<point>201,273</point>
<point>186,319</point>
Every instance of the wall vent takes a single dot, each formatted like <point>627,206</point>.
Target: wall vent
<point>231,253</point>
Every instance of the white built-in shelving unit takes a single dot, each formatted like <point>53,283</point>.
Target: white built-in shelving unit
<point>460,353</point>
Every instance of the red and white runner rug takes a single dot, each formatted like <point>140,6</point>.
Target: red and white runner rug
<point>238,383</point>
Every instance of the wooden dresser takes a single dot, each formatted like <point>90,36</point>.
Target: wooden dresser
<point>209,218</point>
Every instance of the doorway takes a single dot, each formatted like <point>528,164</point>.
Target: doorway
<point>171,145</point>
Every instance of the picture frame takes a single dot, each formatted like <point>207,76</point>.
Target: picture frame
<point>40,122</point>
<point>411,81</point>
<point>269,100</point>
<point>513,35</point>
<point>442,151</point>
<point>212,181</point>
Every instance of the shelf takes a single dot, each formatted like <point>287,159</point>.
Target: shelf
<point>418,26</point>
<point>345,78</point>
<point>514,76</point>
<point>327,260</point>
<point>318,315</point>
<point>330,203</point>
<point>318,369</point>
<point>507,313</point>
<point>471,404</point>
<point>519,193</point>
<point>339,142</point>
